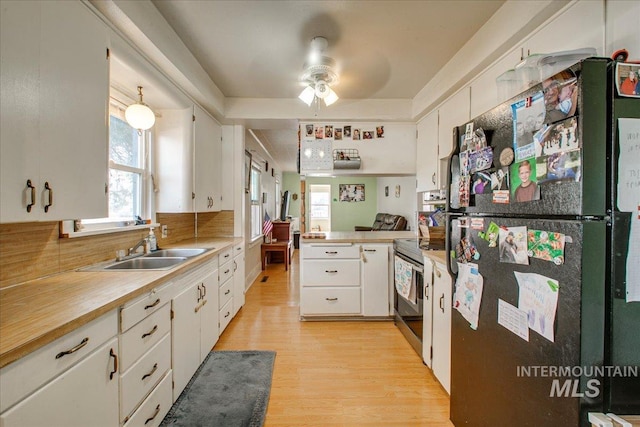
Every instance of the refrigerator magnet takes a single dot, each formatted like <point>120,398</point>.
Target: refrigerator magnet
<point>506,156</point>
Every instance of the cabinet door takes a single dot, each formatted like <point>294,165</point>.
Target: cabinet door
<point>427,153</point>
<point>208,149</point>
<point>185,333</point>
<point>375,280</point>
<point>19,109</point>
<point>238,282</point>
<point>74,93</point>
<point>174,161</point>
<point>427,322</point>
<point>85,395</point>
<point>442,294</point>
<point>454,112</point>
<point>209,314</point>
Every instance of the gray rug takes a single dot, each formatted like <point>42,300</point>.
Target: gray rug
<point>230,388</point>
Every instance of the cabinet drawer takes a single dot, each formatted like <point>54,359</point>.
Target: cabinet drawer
<point>27,374</point>
<point>336,272</point>
<point>138,381</point>
<point>225,272</point>
<point>137,340</point>
<point>225,293</point>
<point>154,408</point>
<point>225,255</point>
<point>330,252</point>
<point>330,301</point>
<point>238,249</point>
<point>224,316</point>
<point>136,310</point>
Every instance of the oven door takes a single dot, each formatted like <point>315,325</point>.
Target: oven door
<point>409,315</point>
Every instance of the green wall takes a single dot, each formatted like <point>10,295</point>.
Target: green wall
<point>346,215</point>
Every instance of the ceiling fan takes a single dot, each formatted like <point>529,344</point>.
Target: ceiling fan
<point>319,75</point>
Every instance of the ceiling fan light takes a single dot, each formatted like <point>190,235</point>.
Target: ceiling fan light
<point>307,95</point>
<point>322,89</point>
<point>139,115</point>
<point>331,97</point>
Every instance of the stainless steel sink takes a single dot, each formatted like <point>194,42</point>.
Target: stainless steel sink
<point>176,252</point>
<point>144,263</point>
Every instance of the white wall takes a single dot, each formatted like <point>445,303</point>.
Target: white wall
<point>405,204</point>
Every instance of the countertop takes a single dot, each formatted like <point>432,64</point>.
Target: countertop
<point>359,236</point>
<point>438,256</point>
<point>35,313</point>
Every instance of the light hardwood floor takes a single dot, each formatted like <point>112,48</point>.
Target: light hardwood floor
<point>333,373</point>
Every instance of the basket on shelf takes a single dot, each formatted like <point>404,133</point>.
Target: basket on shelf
<point>346,158</point>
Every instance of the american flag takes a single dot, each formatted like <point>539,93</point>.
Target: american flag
<point>267,226</point>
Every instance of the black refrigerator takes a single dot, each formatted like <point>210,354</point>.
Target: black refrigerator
<point>541,331</point>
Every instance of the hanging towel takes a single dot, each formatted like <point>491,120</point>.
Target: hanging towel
<point>403,272</point>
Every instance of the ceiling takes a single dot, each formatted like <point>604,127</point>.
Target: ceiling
<point>383,49</point>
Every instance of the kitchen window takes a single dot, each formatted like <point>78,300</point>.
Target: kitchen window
<point>129,164</point>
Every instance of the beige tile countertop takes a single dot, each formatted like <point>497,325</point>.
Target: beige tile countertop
<point>357,236</point>
<point>35,313</point>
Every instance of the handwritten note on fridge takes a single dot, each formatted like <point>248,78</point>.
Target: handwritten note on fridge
<point>629,197</point>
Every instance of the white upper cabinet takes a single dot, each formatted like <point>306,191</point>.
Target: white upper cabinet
<point>55,88</point>
<point>174,161</point>
<point>427,153</point>
<point>454,112</point>
<point>188,156</point>
<point>208,151</point>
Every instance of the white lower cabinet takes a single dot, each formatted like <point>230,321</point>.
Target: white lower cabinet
<point>330,280</point>
<point>441,338</point>
<point>375,280</point>
<point>427,319</point>
<point>238,277</point>
<point>194,328</point>
<point>84,395</point>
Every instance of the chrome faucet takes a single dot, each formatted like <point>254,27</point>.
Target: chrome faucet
<point>133,249</point>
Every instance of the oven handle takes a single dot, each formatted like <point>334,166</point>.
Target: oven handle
<point>417,267</point>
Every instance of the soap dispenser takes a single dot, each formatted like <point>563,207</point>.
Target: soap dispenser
<point>153,243</point>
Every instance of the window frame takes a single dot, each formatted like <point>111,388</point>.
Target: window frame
<point>255,202</point>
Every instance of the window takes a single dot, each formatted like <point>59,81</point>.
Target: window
<point>129,162</point>
<point>256,211</point>
<point>320,207</point>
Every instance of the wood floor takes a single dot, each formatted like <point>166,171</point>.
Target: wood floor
<point>333,373</point>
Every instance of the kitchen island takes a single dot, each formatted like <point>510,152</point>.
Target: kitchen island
<point>347,275</point>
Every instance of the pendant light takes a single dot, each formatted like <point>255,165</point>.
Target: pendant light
<point>139,115</point>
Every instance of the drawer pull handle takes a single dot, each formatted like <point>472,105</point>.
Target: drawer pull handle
<point>227,271</point>
<point>235,265</point>
<point>228,292</point>
<point>155,414</point>
<point>330,252</point>
<point>442,303</point>
<point>151,332</point>
<point>331,271</point>
<point>227,315</point>
<point>204,289</point>
<point>438,274</point>
<point>226,255</point>
<point>155,368</point>
<point>33,195</point>
<point>152,305</point>
<point>199,294</point>
<point>74,349</point>
<point>332,299</point>
<point>369,250</point>
<point>115,363</point>
<point>48,187</point>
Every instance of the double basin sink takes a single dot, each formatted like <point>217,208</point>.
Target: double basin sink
<point>163,259</point>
